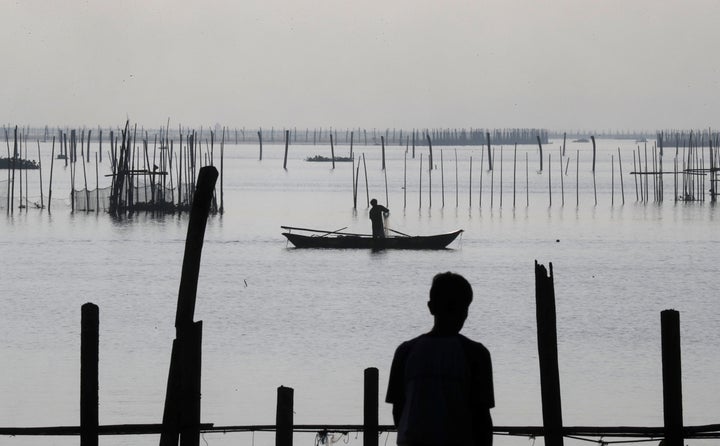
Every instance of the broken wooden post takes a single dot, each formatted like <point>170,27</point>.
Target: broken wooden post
<point>89,375</point>
<point>284,417</point>
<point>672,378</point>
<point>181,416</point>
<point>370,408</point>
<point>548,356</point>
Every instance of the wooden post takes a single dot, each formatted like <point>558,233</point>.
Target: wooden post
<point>89,375</point>
<point>287,141</point>
<point>181,417</point>
<point>672,378</point>
<point>548,356</point>
<point>370,408</point>
<point>284,417</point>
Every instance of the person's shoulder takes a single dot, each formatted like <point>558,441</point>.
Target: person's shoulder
<point>474,346</point>
<point>406,346</point>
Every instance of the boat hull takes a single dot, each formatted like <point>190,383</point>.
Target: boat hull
<point>438,241</point>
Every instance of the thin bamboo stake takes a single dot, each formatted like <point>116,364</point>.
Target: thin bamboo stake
<point>527,181</point>
<point>562,181</point>
<point>612,182</point>
<point>492,182</point>
<point>514,172</point>
<point>501,176</point>
<point>367,187</point>
<point>622,186</point>
<point>420,182</point>
<point>52,162</point>
<point>42,204</point>
<point>442,176</point>
<point>457,182</point>
<point>470,186</point>
<point>577,180</point>
<point>482,160</point>
<point>549,177</point>
<point>404,181</point>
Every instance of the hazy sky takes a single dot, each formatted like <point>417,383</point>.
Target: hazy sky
<point>562,64</point>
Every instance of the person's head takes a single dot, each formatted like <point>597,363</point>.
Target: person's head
<point>450,298</point>
<point>373,202</point>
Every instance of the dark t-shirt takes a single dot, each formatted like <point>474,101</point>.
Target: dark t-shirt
<point>444,387</point>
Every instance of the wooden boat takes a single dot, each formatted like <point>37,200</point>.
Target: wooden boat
<point>344,240</point>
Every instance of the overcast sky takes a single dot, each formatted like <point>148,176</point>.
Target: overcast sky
<point>561,64</point>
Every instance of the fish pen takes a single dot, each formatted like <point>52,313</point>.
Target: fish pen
<point>165,185</point>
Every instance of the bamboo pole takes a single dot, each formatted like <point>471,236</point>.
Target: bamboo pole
<point>612,181</point>
<point>577,180</point>
<point>382,141</point>
<point>97,184</point>
<point>457,182</point>
<point>470,186</point>
<point>514,172</point>
<point>405,181</point>
<point>492,182</point>
<point>622,185</point>
<point>549,177</point>
<point>442,178</point>
<point>42,204</point>
<point>482,167</point>
<point>527,181</point>
<point>387,199</point>
<point>501,177</point>
<point>562,181</point>
<point>82,158</point>
<point>420,183</point>
<point>52,163</point>
<point>367,187</point>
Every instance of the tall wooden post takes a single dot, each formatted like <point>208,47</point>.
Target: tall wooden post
<point>370,408</point>
<point>284,417</point>
<point>548,356</point>
<point>672,378</point>
<point>181,416</point>
<point>89,375</point>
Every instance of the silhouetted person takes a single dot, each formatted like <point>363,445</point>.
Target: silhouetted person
<point>377,212</point>
<point>441,384</point>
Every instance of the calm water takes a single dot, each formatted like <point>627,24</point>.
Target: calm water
<point>313,320</point>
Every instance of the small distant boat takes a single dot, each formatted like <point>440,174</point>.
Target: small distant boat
<point>343,240</point>
<point>323,159</point>
<point>581,140</point>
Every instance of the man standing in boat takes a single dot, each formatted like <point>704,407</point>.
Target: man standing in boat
<point>441,386</point>
<point>378,213</point>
